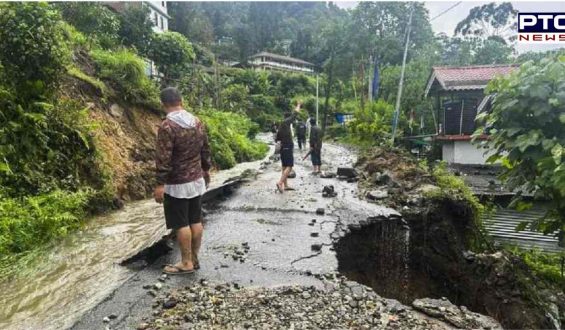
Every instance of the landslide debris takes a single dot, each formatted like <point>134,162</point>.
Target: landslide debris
<point>340,305</point>
<point>392,177</point>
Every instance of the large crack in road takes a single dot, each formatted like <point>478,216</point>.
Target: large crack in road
<point>287,240</point>
<point>256,238</point>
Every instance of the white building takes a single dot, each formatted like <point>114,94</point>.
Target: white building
<point>270,61</point>
<point>159,15</point>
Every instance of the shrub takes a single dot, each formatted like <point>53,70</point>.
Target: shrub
<point>45,146</point>
<point>455,189</point>
<point>99,23</point>
<point>32,37</point>
<point>527,130</point>
<point>28,223</point>
<point>372,123</point>
<point>545,265</point>
<point>230,140</point>
<point>236,98</point>
<point>126,72</point>
<point>172,53</point>
<point>136,28</point>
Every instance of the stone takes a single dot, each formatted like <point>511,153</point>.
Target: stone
<point>170,303</point>
<point>377,195</point>
<point>314,234</point>
<point>328,191</point>
<point>157,286</point>
<point>320,211</point>
<point>316,247</point>
<point>106,319</point>
<point>386,179</point>
<point>459,317</point>
<point>112,316</point>
<point>306,295</point>
<point>347,172</point>
<point>327,175</point>
<point>292,174</point>
<point>116,111</point>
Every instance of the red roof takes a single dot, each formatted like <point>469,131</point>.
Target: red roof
<point>466,77</point>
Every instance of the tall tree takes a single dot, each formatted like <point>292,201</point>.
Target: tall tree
<point>136,28</point>
<point>490,20</point>
<point>380,29</point>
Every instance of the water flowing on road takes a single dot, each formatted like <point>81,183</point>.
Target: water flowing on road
<point>81,270</point>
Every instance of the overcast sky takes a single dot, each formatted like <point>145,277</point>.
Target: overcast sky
<point>447,22</point>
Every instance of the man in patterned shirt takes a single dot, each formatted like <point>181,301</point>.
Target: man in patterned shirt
<point>183,162</point>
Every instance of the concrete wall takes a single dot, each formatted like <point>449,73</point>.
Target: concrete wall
<point>463,152</point>
<point>447,152</point>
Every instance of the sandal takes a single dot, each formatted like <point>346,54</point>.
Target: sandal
<point>195,262</point>
<point>289,189</point>
<point>280,188</point>
<point>178,271</point>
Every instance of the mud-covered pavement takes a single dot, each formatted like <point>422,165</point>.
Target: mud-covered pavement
<point>255,238</point>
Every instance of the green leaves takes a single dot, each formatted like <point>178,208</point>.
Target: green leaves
<point>529,133</point>
<point>33,44</point>
<point>172,53</point>
<point>557,152</point>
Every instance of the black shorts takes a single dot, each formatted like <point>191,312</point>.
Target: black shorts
<point>287,155</point>
<point>182,212</point>
<point>316,157</point>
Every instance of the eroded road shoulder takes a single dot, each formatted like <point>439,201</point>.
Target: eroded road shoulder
<point>256,238</point>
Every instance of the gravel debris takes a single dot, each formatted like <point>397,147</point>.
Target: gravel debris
<point>341,305</point>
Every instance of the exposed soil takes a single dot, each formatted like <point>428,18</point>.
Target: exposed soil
<point>427,252</point>
<point>124,135</point>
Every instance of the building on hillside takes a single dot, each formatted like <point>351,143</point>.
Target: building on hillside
<point>459,97</point>
<point>158,15</point>
<point>275,62</point>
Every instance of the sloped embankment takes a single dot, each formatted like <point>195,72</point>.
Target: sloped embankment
<point>435,250</point>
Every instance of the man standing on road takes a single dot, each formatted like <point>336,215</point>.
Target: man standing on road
<point>301,134</point>
<point>284,137</point>
<point>183,162</point>
<point>315,145</point>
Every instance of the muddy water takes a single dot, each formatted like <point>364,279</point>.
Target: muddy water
<point>81,270</point>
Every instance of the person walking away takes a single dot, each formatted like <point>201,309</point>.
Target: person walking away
<point>315,145</point>
<point>301,134</point>
<point>284,136</point>
<point>182,163</point>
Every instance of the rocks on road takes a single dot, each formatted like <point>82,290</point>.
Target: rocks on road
<point>341,305</point>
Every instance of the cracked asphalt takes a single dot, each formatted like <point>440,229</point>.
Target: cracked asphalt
<point>287,240</point>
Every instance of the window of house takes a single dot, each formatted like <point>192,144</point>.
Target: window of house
<point>163,4</point>
<point>162,25</point>
<point>156,18</point>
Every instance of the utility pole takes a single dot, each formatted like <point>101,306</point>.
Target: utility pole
<point>401,82</point>
<point>316,99</point>
<point>370,85</point>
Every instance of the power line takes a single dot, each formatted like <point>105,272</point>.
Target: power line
<point>445,11</point>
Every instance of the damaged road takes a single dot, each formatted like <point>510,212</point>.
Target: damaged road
<point>256,239</point>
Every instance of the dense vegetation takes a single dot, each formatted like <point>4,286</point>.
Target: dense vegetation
<point>52,173</point>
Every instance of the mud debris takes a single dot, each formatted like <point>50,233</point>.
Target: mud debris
<point>340,305</point>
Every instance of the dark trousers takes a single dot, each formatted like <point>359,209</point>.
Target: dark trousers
<point>301,141</point>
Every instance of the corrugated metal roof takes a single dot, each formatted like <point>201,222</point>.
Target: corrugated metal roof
<point>502,227</point>
<point>466,77</point>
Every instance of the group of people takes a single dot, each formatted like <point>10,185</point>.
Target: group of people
<point>286,145</point>
<point>183,162</point>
